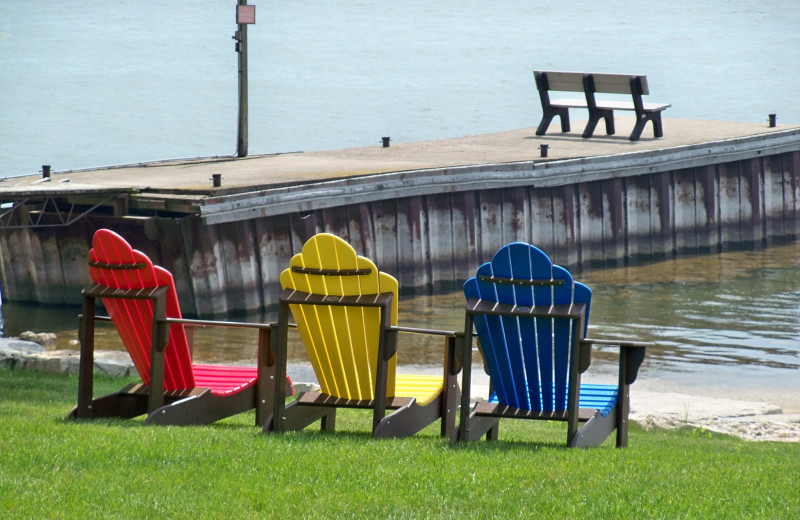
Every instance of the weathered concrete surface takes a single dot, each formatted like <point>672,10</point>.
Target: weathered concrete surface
<point>300,167</point>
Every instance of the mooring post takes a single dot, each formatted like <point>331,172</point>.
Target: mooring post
<point>45,171</point>
<point>772,120</point>
<point>543,149</point>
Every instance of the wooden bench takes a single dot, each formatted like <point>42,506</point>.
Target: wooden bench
<point>589,84</point>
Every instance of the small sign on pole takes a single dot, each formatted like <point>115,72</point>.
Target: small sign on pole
<point>245,14</point>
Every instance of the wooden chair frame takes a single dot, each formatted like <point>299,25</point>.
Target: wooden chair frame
<point>408,416</point>
<point>485,417</point>
<point>531,316</point>
<point>192,406</point>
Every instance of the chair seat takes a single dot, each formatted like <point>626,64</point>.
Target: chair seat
<point>224,380</point>
<point>598,397</point>
<point>421,387</point>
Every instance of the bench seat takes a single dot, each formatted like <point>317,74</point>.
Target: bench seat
<point>609,105</point>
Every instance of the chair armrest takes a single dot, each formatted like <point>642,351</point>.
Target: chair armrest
<point>212,323</point>
<point>267,357</point>
<point>454,344</point>
<point>631,355</point>
<point>619,342</point>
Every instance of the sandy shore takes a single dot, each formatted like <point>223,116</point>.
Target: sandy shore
<point>752,420</point>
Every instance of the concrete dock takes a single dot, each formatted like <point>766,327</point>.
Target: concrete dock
<point>193,178</point>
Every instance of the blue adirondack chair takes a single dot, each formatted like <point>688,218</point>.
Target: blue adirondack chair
<point>531,320</point>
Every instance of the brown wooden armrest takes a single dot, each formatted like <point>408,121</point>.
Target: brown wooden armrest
<point>631,355</point>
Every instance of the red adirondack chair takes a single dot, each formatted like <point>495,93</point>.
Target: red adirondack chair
<point>143,306</point>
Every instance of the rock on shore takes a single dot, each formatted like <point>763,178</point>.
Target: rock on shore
<point>19,354</point>
<point>749,420</point>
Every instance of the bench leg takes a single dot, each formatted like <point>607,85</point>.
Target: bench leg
<point>641,121</point>
<point>594,117</point>
<point>563,113</point>
<point>658,131</point>
<point>548,116</point>
<point>589,130</point>
<point>591,125</point>
<point>609,117</point>
<point>546,119</point>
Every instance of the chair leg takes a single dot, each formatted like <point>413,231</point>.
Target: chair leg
<point>205,408</point>
<point>449,408</point>
<point>119,404</point>
<point>622,411</point>
<point>493,432</point>
<point>298,416</point>
<point>596,430</point>
<point>409,419</point>
<point>480,425</point>
<point>451,392</point>
<point>328,421</point>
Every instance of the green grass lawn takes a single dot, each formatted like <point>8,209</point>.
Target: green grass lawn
<point>52,468</point>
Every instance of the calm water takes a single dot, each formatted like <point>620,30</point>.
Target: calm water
<point>104,82</point>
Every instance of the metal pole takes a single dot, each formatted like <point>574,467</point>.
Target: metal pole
<point>241,148</point>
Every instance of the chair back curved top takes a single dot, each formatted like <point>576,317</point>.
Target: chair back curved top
<point>113,263</point>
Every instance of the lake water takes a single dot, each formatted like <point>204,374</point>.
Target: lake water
<point>106,82</point>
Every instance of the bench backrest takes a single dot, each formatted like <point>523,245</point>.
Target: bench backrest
<point>605,83</point>
<point>561,81</point>
<point>618,83</point>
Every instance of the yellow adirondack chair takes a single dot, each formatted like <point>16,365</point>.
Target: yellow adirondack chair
<point>346,313</point>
